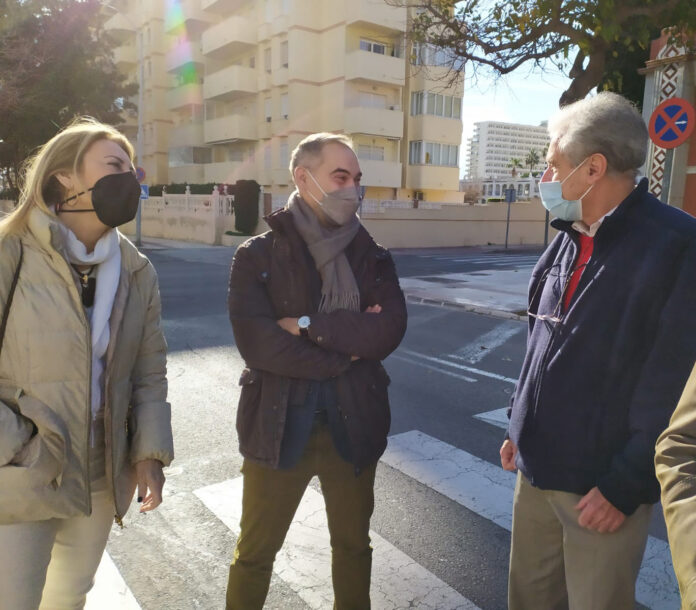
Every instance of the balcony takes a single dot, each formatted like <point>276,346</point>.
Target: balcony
<point>120,26</point>
<point>192,174</point>
<point>421,177</point>
<point>228,172</point>
<point>377,14</point>
<point>184,54</point>
<point>186,14</point>
<point>231,127</point>
<point>186,134</point>
<point>374,121</point>
<point>435,129</point>
<point>184,95</point>
<point>376,68</point>
<point>230,83</point>
<point>125,57</point>
<point>380,173</point>
<point>223,6</point>
<point>229,38</point>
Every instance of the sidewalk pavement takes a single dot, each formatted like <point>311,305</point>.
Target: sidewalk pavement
<point>499,293</point>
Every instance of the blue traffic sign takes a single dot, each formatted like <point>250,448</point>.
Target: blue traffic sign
<point>672,122</point>
<point>144,191</point>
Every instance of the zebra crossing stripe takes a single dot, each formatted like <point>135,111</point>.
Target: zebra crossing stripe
<point>487,490</point>
<point>110,591</point>
<point>304,562</point>
<point>497,417</point>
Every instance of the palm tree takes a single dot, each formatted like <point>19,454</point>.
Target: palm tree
<point>531,160</point>
<point>514,164</point>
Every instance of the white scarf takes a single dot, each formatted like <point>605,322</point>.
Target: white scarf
<point>107,257</point>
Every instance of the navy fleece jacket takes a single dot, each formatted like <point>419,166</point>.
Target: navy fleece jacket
<point>597,388</point>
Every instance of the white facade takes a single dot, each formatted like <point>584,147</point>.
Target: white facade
<point>493,145</point>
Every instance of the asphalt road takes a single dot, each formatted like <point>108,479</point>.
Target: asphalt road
<point>451,366</point>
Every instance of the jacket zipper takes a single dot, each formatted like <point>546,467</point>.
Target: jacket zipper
<point>88,329</point>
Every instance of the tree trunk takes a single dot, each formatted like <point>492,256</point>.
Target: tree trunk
<point>587,78</point>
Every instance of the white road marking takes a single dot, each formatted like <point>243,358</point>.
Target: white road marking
<point>488,490</point>
<point>456,365</point>
<point>304,562</point>
<point>489,341</point>
<point>110,592</point>
<point>433,368</point>
<point>498,417</point>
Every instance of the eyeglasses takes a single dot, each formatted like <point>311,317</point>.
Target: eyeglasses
<point>556,315</point>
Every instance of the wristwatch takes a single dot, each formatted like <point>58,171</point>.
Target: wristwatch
<point>304,323</point>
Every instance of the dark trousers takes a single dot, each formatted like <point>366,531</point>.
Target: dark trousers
<point>269,502</point>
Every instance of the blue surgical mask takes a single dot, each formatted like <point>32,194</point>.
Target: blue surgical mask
<point>551,194</point>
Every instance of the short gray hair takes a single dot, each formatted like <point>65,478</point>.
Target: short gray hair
<point>607,123</point>
<point>308,151</point>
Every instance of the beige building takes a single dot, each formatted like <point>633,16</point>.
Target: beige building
<point>245,81</point>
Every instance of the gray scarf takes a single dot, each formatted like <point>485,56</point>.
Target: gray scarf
<point>339,290</point>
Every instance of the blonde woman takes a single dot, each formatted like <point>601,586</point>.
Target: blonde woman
<point>83,413</point>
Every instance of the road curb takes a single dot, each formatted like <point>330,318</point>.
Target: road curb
<point>472,307</point>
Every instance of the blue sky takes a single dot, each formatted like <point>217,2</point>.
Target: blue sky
<point>525,96</point>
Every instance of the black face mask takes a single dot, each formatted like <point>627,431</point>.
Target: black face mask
<point>115,198</point>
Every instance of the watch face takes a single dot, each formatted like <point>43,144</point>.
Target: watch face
<point>303,322</point>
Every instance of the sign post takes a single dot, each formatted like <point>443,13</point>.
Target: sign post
<point>509,197</point>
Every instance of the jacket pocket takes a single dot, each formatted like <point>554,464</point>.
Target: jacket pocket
<point>42,459</point>
<point>248,411</point>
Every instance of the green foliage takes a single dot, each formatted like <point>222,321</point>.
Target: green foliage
<point>532,159</point>
<point>592,41</point>
<point>56,62</point>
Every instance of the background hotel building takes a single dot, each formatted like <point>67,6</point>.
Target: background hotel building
<point>493,144</point>
<point>231,86</point>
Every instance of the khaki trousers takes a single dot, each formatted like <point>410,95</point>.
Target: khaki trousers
<point>51,564</point>
<point>270,499</point>
<point>555,564</point>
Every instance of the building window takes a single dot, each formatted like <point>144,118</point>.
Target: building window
<point>372,153</point>
<point>372,100</point>
<point>423,102</point>
<point>269,11</point>
<point>189,155</point>
<point>285,7</point>
<point>284,106</point>
<point>284,54</point>
<point>429,55</point>
<point>236,155</point>
<point>267,59</point>
<point>433,153</point>
<point>373,46</point>
<point>267,109</point>
<point>252,61</point>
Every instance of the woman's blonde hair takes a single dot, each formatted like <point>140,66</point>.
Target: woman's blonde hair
<point>64,152</point>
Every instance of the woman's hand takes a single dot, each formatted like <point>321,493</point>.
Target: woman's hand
<point>150,483</point>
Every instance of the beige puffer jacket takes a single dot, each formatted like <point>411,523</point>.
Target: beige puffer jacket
<point>675,465</point>
<point>45,370</point>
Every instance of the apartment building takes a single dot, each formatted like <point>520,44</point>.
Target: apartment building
<point>133,24</point>
<point>249,79</point>
<point>494,144</point>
